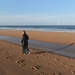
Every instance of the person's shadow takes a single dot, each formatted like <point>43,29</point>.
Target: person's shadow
<point>62,48</point>
<point>54,50</point>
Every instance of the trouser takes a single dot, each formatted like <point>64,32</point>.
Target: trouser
<point>25,50</point>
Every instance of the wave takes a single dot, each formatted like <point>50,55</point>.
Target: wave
<point>53,28</point>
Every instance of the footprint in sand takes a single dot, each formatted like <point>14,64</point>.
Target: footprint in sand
<point>38,57</point>
<point>58,74</point>
<point>73,72</point>
<point>35,67</point>
<point>21,62</point>
<point>8,56</point>
<point>40,73</point>
<point>55,74</point>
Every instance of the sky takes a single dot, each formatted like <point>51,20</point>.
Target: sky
<point>37,12</point>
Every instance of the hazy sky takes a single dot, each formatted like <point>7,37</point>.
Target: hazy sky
<point>37,12</point>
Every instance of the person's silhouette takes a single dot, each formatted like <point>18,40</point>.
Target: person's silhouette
<point>24,43</point>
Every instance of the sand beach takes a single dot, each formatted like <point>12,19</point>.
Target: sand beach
<point>13,62</point>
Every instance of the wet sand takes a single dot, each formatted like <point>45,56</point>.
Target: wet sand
<point>13,62</point>
<point>54,37</point>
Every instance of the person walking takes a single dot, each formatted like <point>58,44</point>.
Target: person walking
<point>24,42</point>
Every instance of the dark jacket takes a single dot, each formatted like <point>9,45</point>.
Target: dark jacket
<point>24,40</point>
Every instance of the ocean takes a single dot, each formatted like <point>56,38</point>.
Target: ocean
<point>49,28</point>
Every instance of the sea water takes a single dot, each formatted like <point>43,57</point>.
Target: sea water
<point>49,28</point>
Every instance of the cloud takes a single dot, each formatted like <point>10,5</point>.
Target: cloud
<point>35,20</point>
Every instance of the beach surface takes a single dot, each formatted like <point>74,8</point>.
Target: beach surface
<point>13,62</point>
<point>54,37</point>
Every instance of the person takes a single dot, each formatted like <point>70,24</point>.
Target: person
<point>24,43</point>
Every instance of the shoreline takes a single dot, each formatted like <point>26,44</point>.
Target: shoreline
<point>50,28</point>
<point>52,37</point>
<point>39,30</point>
